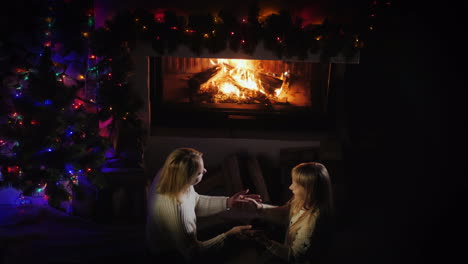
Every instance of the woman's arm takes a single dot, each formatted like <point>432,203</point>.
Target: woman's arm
<point>208,205</point>
<point>189,244</point>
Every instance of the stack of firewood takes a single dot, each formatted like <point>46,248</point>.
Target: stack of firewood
<point>236,173</point>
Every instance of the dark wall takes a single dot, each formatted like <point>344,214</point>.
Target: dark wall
<point>401,188</point>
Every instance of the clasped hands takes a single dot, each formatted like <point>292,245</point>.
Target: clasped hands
<point>242,199</point>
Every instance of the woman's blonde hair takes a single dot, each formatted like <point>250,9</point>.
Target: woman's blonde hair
<point>315,180</point>
<point>180,167</point>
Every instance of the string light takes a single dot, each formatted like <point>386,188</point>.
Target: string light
<point>91,21</point>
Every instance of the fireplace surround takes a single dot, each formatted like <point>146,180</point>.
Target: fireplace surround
<point>177,114</point>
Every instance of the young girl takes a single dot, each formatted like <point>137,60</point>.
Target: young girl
<point>307,213</point>
<point>173,207</point>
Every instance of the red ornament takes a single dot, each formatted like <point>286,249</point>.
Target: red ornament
<point>159,15</point>
<point>13,169</point>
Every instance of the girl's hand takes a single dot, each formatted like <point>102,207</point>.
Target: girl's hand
<point>258,235</point>
<point>241,198</point>
<point>257,204</point>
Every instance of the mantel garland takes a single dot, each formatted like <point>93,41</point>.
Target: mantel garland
<point>281,33</point>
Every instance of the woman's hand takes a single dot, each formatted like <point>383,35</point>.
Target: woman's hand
<point>241,198</point>
<point>238,230</point>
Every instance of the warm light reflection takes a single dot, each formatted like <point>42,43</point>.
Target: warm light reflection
<point>235,80</point>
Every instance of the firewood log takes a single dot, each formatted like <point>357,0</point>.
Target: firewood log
<point>256,175</point>
<point>270,83</point>
<point>230,169</point>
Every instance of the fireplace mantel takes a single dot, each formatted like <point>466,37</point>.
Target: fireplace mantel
<point>260,53</point>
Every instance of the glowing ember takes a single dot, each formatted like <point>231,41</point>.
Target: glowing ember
<point>242,81</point>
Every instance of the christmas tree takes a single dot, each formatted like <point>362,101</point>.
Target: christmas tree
<point>49,132</point>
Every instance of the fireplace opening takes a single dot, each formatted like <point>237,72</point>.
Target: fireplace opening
<point>242,93</point>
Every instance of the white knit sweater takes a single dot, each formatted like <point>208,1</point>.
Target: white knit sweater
<point>172,225</point>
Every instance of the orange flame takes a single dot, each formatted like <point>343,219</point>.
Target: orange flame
<point>237,79</point>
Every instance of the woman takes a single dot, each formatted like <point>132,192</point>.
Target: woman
<point>307,212</point>
<point>173,207</point>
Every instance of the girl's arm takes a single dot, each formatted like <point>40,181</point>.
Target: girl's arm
<point>275,214</point>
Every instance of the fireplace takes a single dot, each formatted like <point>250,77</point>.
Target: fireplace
<point>241,93</point>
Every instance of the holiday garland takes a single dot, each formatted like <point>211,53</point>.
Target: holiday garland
<point>279,33</point>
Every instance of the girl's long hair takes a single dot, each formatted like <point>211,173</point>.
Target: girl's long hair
<point>318,202</point>
<point>180,167</point>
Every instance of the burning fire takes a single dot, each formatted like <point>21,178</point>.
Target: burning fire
<point>242,81</point>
